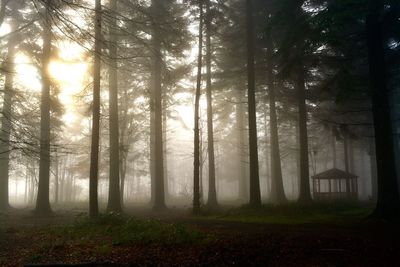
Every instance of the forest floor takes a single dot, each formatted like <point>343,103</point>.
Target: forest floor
<point>322,235</point>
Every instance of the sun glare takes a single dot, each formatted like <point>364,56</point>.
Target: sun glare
<point>28,76</point>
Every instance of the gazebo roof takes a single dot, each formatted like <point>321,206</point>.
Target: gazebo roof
<point>334,174</point>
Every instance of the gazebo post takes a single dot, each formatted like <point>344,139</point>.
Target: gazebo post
<point>340,188</point>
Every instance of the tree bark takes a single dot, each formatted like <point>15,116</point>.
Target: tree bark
<point>42,201</point>
<point>346,161</point>
<point>56,179</point>
<point>277,190</point>
<point>114,194</point>
<point>159,196</point>
<point>255,196</point>
<point>196,164</point>
<point>243,158</point>
<point>374,178</point>
<point>388,201</point>
<point>94,154</point>
<point>304,194</point>
<point>6,119</point>
<point>212,193</point>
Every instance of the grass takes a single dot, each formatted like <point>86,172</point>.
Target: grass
<point>117,229</point>
<point>293,213</point>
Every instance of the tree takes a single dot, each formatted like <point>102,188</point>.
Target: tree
<point>196,164</point>
<point>42,202</point>
<point>255,196</point>
<point>388,202</point>
<point>6,119</point>
<point>114,198</point>
<point>277,191</point>
<point>159,196</point>
<point>212,192</point>
<point>94,154</point>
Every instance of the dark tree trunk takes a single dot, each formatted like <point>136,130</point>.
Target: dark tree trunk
<point>114,194</point>
<point>43,202</point>
<point>374,180</point>
<point>243,158</point>
<point>346,162</point>
<point>212,193</point>
<point>388,202</point>
<point>6,119</point>
<point>304,194</point>
<point>255,196</point>
<point>196,164</point>
<point>333,144</point>
<point>152,145</point>
<point>277,190</point>
<point>165,144</point>
<point>159,196</point>
<point>267,156</point>
<point>56,179</point>
<point>94,154</point>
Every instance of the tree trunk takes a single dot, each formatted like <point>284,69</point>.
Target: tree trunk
<point>6,119</point>
<point>94,154</point>
<point>243,158</point>
<point>196,170</point>
<point>346,161</point>
<point>56,179</point>
<point>277,190</point>
<point>333,144</point>
<point>267,156</point>
<point>165,144</point>
<point>159,197</point>
<point>43,202</point>
<point>255,196</point>
<point>152,145</point>
<point>304,194</point>
<point>388,202</point>
<point>374,180</point>
<point>212,193</point>
<point>114,194</point>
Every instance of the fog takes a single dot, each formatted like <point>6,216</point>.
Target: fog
<point>200,111</point>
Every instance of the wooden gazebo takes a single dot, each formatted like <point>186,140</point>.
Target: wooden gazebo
<point>335,184</point>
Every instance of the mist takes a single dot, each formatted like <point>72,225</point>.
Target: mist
<point>201,125</point>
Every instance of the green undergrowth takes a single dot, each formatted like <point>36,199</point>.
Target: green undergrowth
<point>118,229</point>
<point>293,213</point>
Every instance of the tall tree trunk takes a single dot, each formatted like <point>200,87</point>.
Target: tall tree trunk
<point>196,170</point>
<point>152,145</point>
<point>255,195</point>
<point>56,179</point>
<point>122,173</point>
<point>114,194</point>
<point>304,194</point>
<point>374,180</point>
<point>165,144</point>
<point>243,158</point>
<point>333,144</point>
<point>277,190</point>
<point>159,197</point>
<point>388,202</point>
<point>346,159</point>
<point>43,202</point>
<point>212,193</point>
<point>267,156</point>
<point>6,119</point>
<point>94,154</point>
